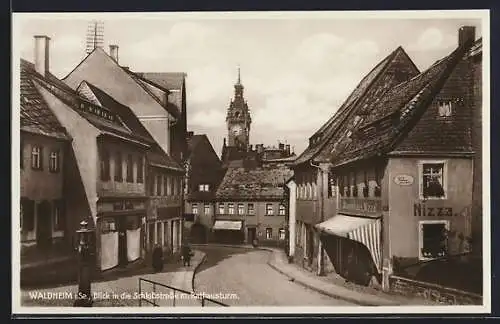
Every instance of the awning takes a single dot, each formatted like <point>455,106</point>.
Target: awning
<point>366,231</point>
<point>227,225</point>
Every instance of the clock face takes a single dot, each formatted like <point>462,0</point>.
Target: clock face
<point>237,129</point>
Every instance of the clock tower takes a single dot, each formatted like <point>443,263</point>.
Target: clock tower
<point>238,118</point>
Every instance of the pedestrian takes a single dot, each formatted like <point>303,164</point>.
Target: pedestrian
<point>186,255</point>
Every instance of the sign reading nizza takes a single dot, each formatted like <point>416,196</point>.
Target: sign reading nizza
<point>403,180</point>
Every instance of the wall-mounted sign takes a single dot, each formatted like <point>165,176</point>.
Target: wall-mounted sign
<point>403,180</point>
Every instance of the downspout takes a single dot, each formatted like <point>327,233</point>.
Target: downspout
<point>320,271</point>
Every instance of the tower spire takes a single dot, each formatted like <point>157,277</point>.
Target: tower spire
<point>239,75</point>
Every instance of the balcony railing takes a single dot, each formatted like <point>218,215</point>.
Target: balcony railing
<point>361,206</point>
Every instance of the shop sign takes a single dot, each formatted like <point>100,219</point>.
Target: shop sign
<point>403,180</point>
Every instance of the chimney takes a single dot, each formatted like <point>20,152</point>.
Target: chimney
<point>42,54</point>
<point>113,52</point>
<point>260,148</point>
<point>466,35</point>
<point>288,149</point>
<point>281,146</point>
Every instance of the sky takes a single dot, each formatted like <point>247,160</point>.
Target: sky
<point>296,70</point>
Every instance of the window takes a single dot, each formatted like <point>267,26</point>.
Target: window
<point>54,161</point>
<point>140,170</point>
<point>281,234</point>
<point>433,180</point>
<point>251,210</point>
<point>221,209</point>
<point>444,109</point>
<point>27,215</point>
<point>118,167</point>
<point>269,233</point>
<point>169,186</point>
<point>130,168</point>
<point>206,209</point>
<point>433,239</point>
<point>230,209</point>
<point>158,184</point>
<point>108,225</point>
<point>58,215</point>
<point>105,176</point>
<point>152,185</point>
<point>194,209</point>
<point>282,210</point>
<point>165,185</point>
<point>172,185</point>
<point>241,209</point>
<point>203,187</point>
<point>165,233</point>
<point>269,209</point>
<point>37,157</point>
<point>179,186</point>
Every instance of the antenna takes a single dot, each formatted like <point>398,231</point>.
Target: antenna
<point>95,36</point>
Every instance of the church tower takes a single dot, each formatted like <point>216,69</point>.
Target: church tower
<point>238,118</point>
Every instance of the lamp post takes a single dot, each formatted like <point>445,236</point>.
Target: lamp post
<point>84,297</point>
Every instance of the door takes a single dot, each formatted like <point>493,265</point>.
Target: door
<point>44,225</point>
<point>251,234</point>
<point>122,242</point>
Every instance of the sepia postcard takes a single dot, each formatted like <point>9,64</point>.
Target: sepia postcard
<point>251,162</point>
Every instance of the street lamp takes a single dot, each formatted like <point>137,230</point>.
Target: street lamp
<point>84,297</point>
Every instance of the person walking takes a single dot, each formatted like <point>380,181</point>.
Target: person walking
<point>186,255</point>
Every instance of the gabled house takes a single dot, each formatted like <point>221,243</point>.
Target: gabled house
<point>107,191</point>
<point>399,176</point>
<point>45,145</point>
<point>164,120</point>
<point>204,173</point>
<point>314,195</point>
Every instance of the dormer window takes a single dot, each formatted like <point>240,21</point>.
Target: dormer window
<point>203,187</point>
<point>444,108</point>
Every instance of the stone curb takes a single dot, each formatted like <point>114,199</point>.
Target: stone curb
<point>203,259</point>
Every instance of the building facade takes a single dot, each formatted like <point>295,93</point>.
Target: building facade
<point>44,146</point>
<point>157,100</point>
<point>203,177</point>
<point>395,181</point>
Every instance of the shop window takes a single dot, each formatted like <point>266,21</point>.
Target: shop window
<point>269,209</point>
<point>230,209</point>
<point>251,209</point>
<point>432,180</point>
<point>54,163</point>
<point>37,157</point>
<point>194,209</point>
<point>58,215</point>
<point>108,225</point>
<point>105,176</point>
<point>159,233</point>
<point>241,209</point>
<point>433,239</point>
<point>221,209</point>
<point>118,167</point>
<point>140,170</point>
<point>27,214</point>
<point>133,222</point>
<point>282,210</point>
<point>269,233</point>
<point>206,209</point>
<point>281,234</point>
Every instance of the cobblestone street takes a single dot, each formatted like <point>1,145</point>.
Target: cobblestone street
<point>246,274</point>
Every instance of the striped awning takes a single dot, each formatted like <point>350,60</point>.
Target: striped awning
<point>227,225</point>
<point>366,231</point>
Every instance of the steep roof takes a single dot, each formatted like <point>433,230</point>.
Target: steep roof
<point>255,184</point>
<point>36,116</point>
<point>155,154</point>
<point>167,80</point>
<point>393,117</point>
<point>395,68</point>
<point>205,167</point>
